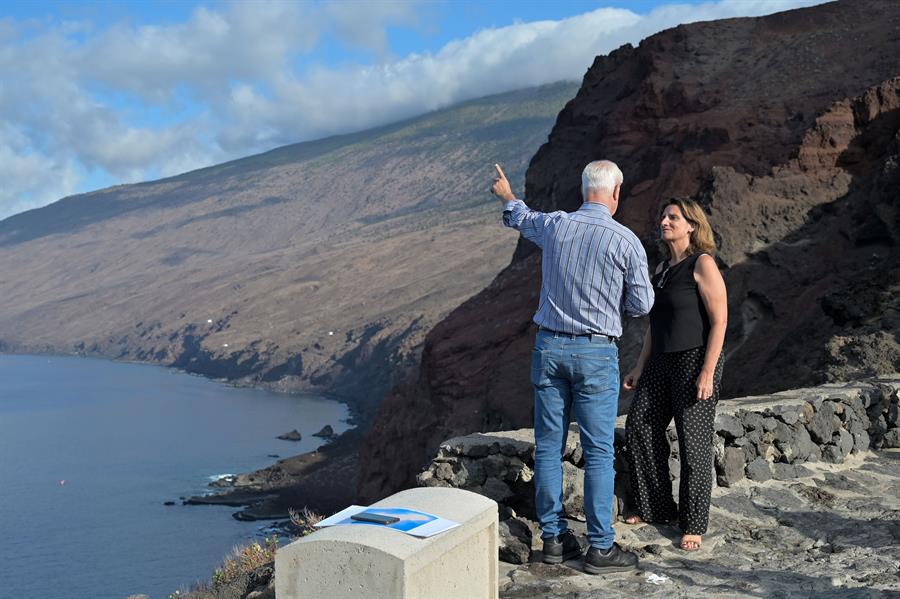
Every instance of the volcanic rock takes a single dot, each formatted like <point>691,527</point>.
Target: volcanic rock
<point>326,432</point>
<point>294,435</point>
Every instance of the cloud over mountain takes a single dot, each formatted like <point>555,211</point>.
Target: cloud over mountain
<point>130,102</point>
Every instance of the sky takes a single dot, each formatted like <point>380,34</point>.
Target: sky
<point>94,94</point>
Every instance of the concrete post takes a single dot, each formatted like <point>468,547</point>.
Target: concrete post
<point>368,562</point>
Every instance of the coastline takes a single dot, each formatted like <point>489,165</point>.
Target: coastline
<point>323,480</point>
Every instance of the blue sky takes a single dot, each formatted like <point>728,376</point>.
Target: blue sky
<point>99,93</point>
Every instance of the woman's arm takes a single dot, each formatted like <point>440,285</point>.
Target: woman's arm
<point>715,300</point>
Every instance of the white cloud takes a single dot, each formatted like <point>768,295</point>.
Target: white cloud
<point>73,100</point>
<point>353,22</point>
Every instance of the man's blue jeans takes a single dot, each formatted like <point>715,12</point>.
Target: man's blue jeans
<point>577,375</point>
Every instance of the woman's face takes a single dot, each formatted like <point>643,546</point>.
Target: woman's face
<point>673,226</point>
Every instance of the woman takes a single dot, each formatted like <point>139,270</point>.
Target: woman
<point>678,375</point>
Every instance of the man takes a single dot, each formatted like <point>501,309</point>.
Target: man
<point>592,270</point>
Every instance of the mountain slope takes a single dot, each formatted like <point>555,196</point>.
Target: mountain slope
<point>316,266</point>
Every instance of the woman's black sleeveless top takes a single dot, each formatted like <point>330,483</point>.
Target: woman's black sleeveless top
<point>678,320</point>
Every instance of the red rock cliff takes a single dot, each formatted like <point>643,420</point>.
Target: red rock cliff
<point>785,128</point>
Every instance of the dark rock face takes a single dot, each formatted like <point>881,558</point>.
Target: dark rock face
<point>797,162</point>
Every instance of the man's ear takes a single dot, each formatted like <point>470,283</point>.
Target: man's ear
<point>616,192</point>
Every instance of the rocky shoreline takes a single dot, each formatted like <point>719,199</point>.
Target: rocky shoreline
<point>323,480</point>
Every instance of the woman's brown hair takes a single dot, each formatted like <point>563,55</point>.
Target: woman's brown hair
<point>702,241</point>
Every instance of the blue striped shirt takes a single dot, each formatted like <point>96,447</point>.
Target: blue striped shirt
<point>593,269</point>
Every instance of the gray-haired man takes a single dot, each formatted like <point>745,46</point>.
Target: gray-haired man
<point>593,270</point>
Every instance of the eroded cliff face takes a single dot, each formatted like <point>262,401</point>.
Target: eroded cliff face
<point>786,129</point>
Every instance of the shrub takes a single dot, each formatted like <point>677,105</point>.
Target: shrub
<point>245,560</point>
<point>304,521</point>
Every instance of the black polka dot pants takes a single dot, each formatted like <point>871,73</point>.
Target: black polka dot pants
<point>667,389</point>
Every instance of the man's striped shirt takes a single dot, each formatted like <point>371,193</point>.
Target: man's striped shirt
<point>593,269</point>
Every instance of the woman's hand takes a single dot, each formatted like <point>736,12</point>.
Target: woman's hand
<point>631,379</point>
<point>705,384</point>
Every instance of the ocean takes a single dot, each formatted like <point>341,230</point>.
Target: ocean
<point>91,449</point>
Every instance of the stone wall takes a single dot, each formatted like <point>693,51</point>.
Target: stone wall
<point>756,438</point>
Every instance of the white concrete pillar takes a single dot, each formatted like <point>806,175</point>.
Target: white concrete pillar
<point>369,562</point>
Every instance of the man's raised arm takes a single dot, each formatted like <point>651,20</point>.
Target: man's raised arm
<point>516,214</point>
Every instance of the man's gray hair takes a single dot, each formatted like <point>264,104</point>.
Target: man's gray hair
<point>600,175</point>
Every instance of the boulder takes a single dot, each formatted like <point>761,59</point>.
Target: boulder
<point>731,468</point>
<point>515,541</point>
<point>855,426</point>
<point>878,428</point>
<point>821,427</point>
<point>497,490</point>
<point>893,414</point>
<point>784,434</point>
<point>754,436</point>
<point>856,405</point>
<point>468,473</point>
<point>729,426</point>
<point>788,414</point>
<point>815,454</point>
<point>861,441</point>
<point>832,454</point>
<point>803,444</point>
<point>758,470</point>
<point>752,421</point>
<point>749,449</point>
<point>891,439</point>
<point>844,441</point>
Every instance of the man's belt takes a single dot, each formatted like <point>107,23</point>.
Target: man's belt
<point>575,335</point>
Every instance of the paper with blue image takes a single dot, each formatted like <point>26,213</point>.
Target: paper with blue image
<point>412,522</point>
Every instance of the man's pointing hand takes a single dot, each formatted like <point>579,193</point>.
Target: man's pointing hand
<point>501,187</point>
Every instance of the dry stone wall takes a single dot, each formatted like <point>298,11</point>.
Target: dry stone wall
<point>756,439</point>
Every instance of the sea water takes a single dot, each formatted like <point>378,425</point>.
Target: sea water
<point>91,449</point>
